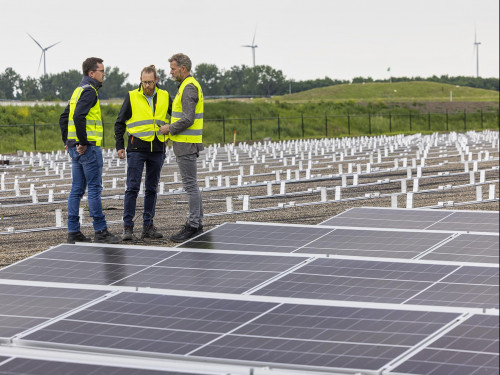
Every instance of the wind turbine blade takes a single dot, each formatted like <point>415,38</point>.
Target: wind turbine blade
<point>40,62</point>
<point>35,41</point>
<point>248,46</point>
<point>52,45</point>
<point>253,40</point>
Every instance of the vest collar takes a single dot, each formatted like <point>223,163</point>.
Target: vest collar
<point>86,80</point>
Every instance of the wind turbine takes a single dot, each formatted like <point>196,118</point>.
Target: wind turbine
<point>43,54</point>
<point>476,47</point>
<point>253,46</point>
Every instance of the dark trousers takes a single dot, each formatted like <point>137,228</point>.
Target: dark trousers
<point>135,162</point>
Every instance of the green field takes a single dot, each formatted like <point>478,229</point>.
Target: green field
<point>335,111</point>
<point>394,92</point>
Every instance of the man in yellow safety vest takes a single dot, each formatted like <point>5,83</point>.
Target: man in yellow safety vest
<point>186,131</point>
<point>143,111</point>
<point>82,132</point>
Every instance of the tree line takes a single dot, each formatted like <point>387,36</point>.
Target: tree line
<point>261,80</point>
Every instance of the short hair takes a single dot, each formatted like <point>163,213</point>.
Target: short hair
<point>181,60</point>
<point>90,64</point>
<point>149,69</point>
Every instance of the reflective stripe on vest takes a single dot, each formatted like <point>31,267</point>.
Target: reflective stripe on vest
<point>193,134</point>
<point>93,125</point>
<point>144,124</point>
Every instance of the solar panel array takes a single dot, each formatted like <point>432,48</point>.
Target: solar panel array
<point>263,298</point>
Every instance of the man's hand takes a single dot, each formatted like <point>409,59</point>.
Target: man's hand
<point>121,153</point>
<point>81,149</point>
<point>165,129</point>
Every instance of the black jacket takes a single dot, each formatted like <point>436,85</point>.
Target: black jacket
<point>134,143</point>
<point>87,100</point>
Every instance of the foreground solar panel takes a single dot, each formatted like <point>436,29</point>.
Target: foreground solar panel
<point>390,282</point>
<point>257,237</point>
<point>320,337</point>
<point>29,366</point>
<point>198,271</point>
<point>471,348</point>
<point>23,307</point>
<point>92,264</point>
<point>371,217</point>
<point>468,248</point>
<point>314,240</point>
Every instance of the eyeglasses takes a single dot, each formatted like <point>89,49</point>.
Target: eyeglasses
<point>148,83</point>
<point>99,70</point>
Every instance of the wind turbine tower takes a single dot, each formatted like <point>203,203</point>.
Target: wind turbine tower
<point>253,46</point>
<point>43,54</point>
<point>476,47</point>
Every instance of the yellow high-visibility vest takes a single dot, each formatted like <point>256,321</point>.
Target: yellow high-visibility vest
<point>194,133</point>
<point>94,121</point>
<point>144,124</point>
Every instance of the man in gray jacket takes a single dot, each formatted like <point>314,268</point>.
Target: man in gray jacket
<point>186,131</point>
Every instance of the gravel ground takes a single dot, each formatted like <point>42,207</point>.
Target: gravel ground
<point>172,208</point>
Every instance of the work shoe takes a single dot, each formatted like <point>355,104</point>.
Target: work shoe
<point>77,237</point>
<point>186,233</point>
<point>128,233</point>
<point>150,231</point>
<point>103,236</point>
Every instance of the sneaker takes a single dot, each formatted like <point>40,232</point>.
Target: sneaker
<point>150,231</point>
<point>77,237</point>
<point>128,233</point>
<point>103,236</point>
<point>186,233</point>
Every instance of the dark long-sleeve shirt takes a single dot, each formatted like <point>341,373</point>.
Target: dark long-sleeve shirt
<point>134,143</point>
<point>88,99</point>
<point>189,100</point>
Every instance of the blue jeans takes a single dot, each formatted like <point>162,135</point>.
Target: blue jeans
<point>135,162</point>
<point>87,171</point>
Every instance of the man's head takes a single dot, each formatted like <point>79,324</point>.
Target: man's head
<point>149,79</point>
<point>94,68</point>
<point>180,66</point>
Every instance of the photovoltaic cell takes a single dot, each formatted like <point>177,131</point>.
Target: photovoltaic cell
<point>399,218</point>
<point>468,248</point>
<point>469,221</point>
<point>84,264</point>
<point>321,336</point>
<point>255,237</point>
<point>212,272</point>
<point>469,349</point>
<point>23,307</point>
<point>374,243</point>
<point>28,366</point>
<point>357,280</point>
<point>386,218</point>
<point>327,337</point>
<point>466,287</point>
<point>151,323</point>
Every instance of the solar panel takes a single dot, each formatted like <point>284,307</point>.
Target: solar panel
<point>151,323</point>
<point>401,218</point>
<point>467,287</point>
<point>23,307</point>
<point>374,243</point>
<point>212,272</point>
<point>92,264</point>
<point>467,248</point>
<point>304,335</point>
<point>371,217</point>
<point>469,221</point>
<point>29,366</point>
<point>314,240</point>
<point>257,237</point>
<point>471,348</point>
<point>387,282</point>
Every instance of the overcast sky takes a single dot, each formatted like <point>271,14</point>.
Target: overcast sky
<point>305,39</point>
